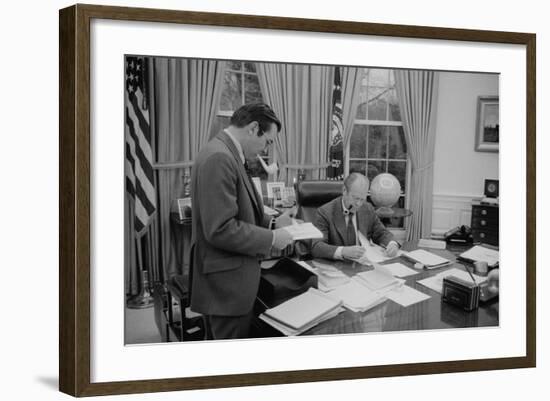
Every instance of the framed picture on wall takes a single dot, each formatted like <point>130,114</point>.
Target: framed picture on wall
<point>94,360</point>
<point>487,124</point>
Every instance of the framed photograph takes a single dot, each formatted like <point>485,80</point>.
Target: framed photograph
<point>184,208</point>
<point>488,124</point>
<point>117,182</point>
<point>275,191</point>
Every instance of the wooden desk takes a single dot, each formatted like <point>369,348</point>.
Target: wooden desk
<point>390,316</point>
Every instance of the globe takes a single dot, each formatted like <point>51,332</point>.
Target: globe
<point>384,192</point>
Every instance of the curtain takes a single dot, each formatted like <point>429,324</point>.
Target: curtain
<point>301,97</point>
<point>351,87</point>
<point>417,92</point>
<point>187,94</point>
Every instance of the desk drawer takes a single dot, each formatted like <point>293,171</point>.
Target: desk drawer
<point>489,223</point>
<point>489,212</point>
<point>485,236</point>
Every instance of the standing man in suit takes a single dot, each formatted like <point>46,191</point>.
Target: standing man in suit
<point>231,232</point>
<point>340,220</point>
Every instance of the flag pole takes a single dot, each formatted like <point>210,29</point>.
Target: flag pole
<point>144,299</point>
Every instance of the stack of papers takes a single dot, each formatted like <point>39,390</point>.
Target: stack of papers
<point>436,282</point>
<point>303,231</point>
<point>379,279</point>
<point>329,277</point>
<point>356,297</point>
<point>400,270</point>
<point>300,313</point>
<point>479,253</point>
<point>427,259</point>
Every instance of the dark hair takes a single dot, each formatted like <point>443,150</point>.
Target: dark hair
<point>260,112</point>
<point>350,179</point>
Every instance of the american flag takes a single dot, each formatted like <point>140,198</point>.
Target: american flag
<point>139,155</point>
<point>336,150</point>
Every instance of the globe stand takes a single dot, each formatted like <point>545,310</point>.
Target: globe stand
<point>385,211</point>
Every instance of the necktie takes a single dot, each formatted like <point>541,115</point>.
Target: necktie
<point>351,239</point>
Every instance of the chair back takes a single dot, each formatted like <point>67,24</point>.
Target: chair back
<point>312,194</point>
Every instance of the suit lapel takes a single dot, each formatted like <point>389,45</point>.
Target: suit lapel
<point>339,220</point>
<point>254,196</point>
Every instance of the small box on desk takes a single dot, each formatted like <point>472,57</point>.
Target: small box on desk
<point>286,279</point>
<point>460,293</point>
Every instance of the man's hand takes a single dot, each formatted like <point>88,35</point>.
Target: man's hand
<point>281,238</point>
<point>285,219</point>
<point>352,252</point>
<point>391,249</point>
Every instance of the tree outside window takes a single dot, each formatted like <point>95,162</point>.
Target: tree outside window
<point>377,144</point>
<point>240,86</point>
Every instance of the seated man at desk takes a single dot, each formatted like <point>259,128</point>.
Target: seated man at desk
<point>340,219</point>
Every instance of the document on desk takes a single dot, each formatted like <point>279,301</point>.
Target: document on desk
<point>356,297</point>
<point>436,282</point>
<point>329,277</point>
<point>479,253</point>
<point>379,279</point>
<point>400,270</point>
<point>428,259</point>
<point>303,231</point>
<point>287,331</point>
<point>373,253</point>
<point>303,309</point>
<point>406,296</point>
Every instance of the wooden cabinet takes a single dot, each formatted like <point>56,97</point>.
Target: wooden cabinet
<point>485,222</point>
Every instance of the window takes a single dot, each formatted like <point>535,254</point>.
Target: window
<point>240,86</point>
<point>377,144</point>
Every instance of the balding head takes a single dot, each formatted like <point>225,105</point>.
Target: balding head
<point>356,190</point>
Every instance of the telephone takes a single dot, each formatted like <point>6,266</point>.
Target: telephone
<point>461,234</point>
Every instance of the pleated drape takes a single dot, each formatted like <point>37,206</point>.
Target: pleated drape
<point>187,94</point>
<point>301,96</point>
<point>417,92</point>
<point>351,87</point>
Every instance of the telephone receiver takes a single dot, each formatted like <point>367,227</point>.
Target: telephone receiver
<point>271,169</point>
<point>459,234</point>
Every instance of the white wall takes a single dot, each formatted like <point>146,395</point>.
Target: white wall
<point>460,171</point>
<point>458,168</point>
<point>29,236</point>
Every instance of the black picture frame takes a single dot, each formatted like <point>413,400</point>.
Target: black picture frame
<point>75,199</point>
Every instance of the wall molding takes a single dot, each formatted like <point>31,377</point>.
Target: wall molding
<point>451,210</point>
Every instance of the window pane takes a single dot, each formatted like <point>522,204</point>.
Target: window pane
<point>392,78</point>
<point>377,104</point>
<point>377,142</point>
<point>393,103</point>
<point>362,108</point>
<point>219,123</point>
<point>249,67</point>
<point>232,92</point>
<point>374,168</point>
<point>398,146</point>
<point>399,169</point>
<point>252,89</point>
<point>234,65</point>
<point>378,77</point>
<point>357,166</point>
<point>358,142</point>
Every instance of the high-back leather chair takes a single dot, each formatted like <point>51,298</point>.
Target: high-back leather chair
<point>312,194</point>
<point>309,196</point>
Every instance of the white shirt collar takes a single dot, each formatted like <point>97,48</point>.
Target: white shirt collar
<point>237,144</point>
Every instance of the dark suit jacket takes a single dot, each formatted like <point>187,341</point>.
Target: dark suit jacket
<point>230,232</point>
<point>330,220</point>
